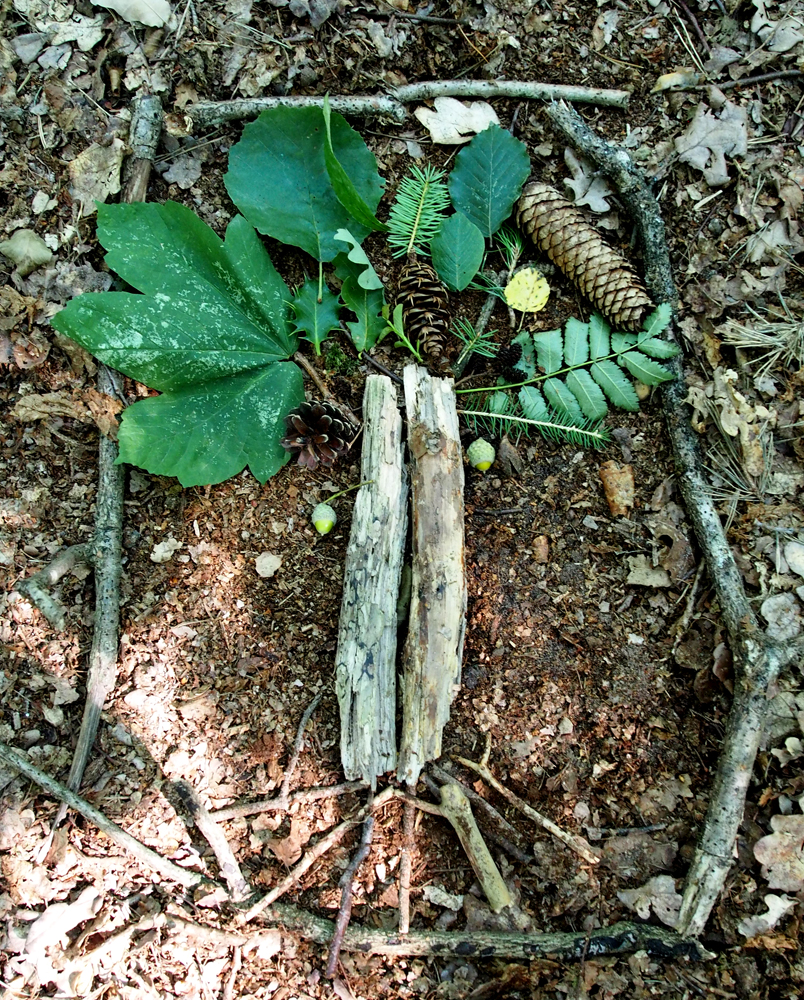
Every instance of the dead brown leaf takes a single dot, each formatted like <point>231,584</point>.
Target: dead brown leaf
<point>618,485</point>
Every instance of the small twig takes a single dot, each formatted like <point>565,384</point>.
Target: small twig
<point>329,840</point>
<point>300,359</point>
<point>118,836</point>
<point>284,791</point>
<point>35,587</point>
<point>572,840</point>
<point>276,804</point>
<point>683,623</point>
<point>695,26</point>
<point>239,889</point>
<point>381,368</point>
<point>480,327</point>
<point>346,885</point>
<point>406,859</point>
<point>747,81</point>
<point>237,960</point>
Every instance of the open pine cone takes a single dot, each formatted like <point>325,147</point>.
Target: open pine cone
<point>424,307</point>
<point>319,432</point>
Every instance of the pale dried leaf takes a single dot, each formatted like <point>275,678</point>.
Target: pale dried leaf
<point>153,13</point>
<point>44,406</point>
<point>604,28</point>
<point>163,551</point>
<point>680,79</point>
<point>27,250</point>
<point>781,854</point>
<point>658,894</point>
<point>454,122</point>
<point>95,174</point>
<point>267,564</point>
<point>587,188</point>
<point>778,36</point>
<point>709,140</point>
<point>761,923</point>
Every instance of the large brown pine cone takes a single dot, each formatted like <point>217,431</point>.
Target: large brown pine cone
<point>319,432</point>
<point>424,307</point>
<point>558,228</point>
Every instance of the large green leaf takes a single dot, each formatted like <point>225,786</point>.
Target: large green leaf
<point>207,433</point>
<point>345,190</point>
<point>366,303</point>
<point>488,176</point>
<point>278,178</point>
<point>203,316</point>
<point>457,251</point>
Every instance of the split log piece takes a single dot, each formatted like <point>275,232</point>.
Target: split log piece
<point>456,810</point>
<point>434,646</point>
<point>365,661</point>
<point>211,114</point>
<point>757,659</point>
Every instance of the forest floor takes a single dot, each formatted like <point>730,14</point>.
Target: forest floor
<point>595,659</point>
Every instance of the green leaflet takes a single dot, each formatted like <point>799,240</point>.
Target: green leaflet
<point>615,385</point>
<point>657,348</point>
<point>599,339</point>
<point>560,398</point>
<point>576,343</point>
<point>457,251</point>
<point>549,350</point>
<point>345,190</point>
<point>588,393</point>
<point>488,176</point>
<point>657,322</point>
<point>367,277</point>
<point>204,434</point>
<point>278,178</point>
<point>315,320</point>
<point>647,370</point>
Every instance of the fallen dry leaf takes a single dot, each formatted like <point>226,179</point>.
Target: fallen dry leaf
<point>104,410</point>
<point>27,250</point>
<point>761,923</point>
<point>587,188</point>
<point>781,854</point>
<point>288,849</point>
<point>657,894</point>
<point>95,174</point>
<point>453,122</point>
<point>153,13</point>
<point>709,140</point>
<point>43,406</point>
<point>618,485</point>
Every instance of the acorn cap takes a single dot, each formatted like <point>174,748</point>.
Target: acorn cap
<point>324,518</point>
<point>481,454</point>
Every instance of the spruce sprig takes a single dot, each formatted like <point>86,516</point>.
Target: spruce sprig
<point>418,211</point>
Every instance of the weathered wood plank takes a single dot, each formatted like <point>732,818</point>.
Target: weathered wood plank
<point>367,637</point>
<point>434,647</point>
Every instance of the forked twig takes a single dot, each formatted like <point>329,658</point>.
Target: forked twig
<point>276,804</point>
<point>346,886</point>
<point>284,791</point>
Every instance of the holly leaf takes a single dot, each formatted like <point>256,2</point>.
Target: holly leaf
<point>315,320</point>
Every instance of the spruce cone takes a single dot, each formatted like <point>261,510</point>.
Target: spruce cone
<point>424,307</point>
<point>507,357</point>
<point>558,228</point>
<point>318,431</point>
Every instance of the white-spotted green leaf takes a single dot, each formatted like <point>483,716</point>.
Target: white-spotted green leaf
<point>488,176</point>
<point>210,308</point>
<point>315,320</point>
<point>549,350</point>
<point>658,348</point>
<point>657,322</point>
<point>599,337</point>
<point>457,251</point>
<point>204,434</point>
<point>576,343</point>
<point>561,399</point>
<point>615,385</point>
<point>367,277</point>
<point>590,396</point>
<point>645,369</point>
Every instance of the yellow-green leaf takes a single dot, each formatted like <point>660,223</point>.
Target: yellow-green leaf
<point>527,291</point>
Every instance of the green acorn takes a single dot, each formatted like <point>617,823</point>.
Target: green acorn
<point>324,518</point>
<point>481,454</point>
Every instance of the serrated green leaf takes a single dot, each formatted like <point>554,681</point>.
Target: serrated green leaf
<point>645,369</point>
<point>457,251</point>
<point>615,385</point>
<point>366,276</point>
<point>488,176</point>
<point>315,320</point>
<point>278,178</point>
<point>533,404</point>
<point>561,399</point>
<point>367,305</point>
<point>499,402</point>
<point>345,190</point>
<point>599,339</point>
<point>590,396</point>
<point>658,348</point>
<point>576,343</point>
<point>549,350</point>
<point>207,433</point>
<point>527,362</point>
<point>202,317</point>
<point>657,322</point>
<point>622,342</point>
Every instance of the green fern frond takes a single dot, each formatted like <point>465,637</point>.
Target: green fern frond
<point>418,211</point>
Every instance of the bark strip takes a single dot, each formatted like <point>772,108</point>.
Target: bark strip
<point>434,647</point>
<point>365,661</point>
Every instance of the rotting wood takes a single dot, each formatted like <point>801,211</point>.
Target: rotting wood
<point>365,660</point>
<point>757,659</point>
<point>211,114</point>
<point>434,646</point>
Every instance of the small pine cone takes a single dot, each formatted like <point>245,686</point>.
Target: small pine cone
<point>319,432</point>
<point>559,229</point>
<point>424,307</point>
<point>507,358</point>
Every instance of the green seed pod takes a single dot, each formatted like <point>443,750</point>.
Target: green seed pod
<point>324,518</point>
<point>481,454</point>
